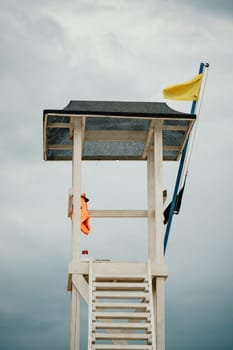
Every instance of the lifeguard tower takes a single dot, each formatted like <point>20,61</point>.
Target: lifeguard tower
<point>125,299</point>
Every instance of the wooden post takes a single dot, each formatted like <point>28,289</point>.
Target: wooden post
<point>75,242</point>
<point>159,234</point>
<point>76,184</point>
<point>155,227</point>
<point>159,304</point>
<point>75,321</point>
<point>158,191</point>
<point>151,205</point>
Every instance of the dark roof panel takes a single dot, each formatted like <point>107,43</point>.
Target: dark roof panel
<point>119,108</point>
<point>114,130</point>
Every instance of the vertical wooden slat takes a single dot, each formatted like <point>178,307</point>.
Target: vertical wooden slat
<point>160,313</point>
<point>158,291</point>
<point>158,191</point>
<point>76,184</point>
<point>75,243</point>
<point>75,319</point>
<point>153,326</point>
<point>151,205</point>
<point>90,306</point>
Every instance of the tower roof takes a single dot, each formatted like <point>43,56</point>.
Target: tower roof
<point>114,130</point>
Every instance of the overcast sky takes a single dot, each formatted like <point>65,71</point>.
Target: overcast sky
<point>56,51</point>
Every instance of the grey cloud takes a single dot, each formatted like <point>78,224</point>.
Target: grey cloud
<point>191,8</point>
<point>23,323</point>
<point>224,7</point>
<point>129,53</point>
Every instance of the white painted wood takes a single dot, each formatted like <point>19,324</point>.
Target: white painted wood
<point>155,225</point>
<point>174,127</point>
<point>124,336</point>
<point>59,125</point>
<point>152,310</point>
<point>73,318</point>
<point>120,305</point>
<point>119,269</point>
<point>76,187</point>
<point>81,286</point>
<point>122,315</point>
<point>75,321</point>
<point>45,141</point>
<point>70,203</point>
<point>83,129</point>
<point>90,302</point>
<point>171,148</point>
<point>159,236</point>
<point>75,243</point>
<point>124,270</point>
<point>120,347</point>
<point>120,295</point>
<point>120,281</point>
<point>151,241</point>
<point>122,325</point>
<point>115,136</point>
<point>120,286</point>
<point>60,147</point>
<point>160,313</point>
<point>148,140</point>
<point>71,129</point>
<point>158,189</point>
<point>118,213</point>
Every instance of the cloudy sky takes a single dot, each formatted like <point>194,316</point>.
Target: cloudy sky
<point>55,51</point>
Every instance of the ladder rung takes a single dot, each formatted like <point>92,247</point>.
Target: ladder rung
<point>120,347</point>
<point>129,305</point>
<point>120,285</point>
<point>122,336</point>
<point>120,295</point>
<point>116,277</point>
<point>120,315</point>
<point>121,325</point>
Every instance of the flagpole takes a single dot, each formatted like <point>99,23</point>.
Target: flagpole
<point>197,111</point>
<point>179,174</point>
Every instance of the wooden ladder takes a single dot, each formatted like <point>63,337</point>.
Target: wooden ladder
<point>120,311</point>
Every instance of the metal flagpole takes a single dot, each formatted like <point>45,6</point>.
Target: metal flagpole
<point>179,174</point>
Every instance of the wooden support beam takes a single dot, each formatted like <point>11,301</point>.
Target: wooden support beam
<point>60,147</point>
<point>76,184</point>
<point>59,125</point>
<point>148,140</point>
<point>83,130</point>
<point>171,148</point>
<point>115,136</point>
<point>159,309</point>
<point>158,188</point>
<point>75,320</point>
<point>75,243</point>
<point>82,286</point>
<point>118,213</point>
<point>121,270</point>
<point>151,205</point>
<point>45,140</point>
<point>174,127</point>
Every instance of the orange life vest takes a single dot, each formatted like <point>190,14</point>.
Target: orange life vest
<point>85,217</point>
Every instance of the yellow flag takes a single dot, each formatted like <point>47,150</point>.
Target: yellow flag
<point>188,91</point>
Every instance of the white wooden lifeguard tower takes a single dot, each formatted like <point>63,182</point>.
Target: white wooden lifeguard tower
<point>125,299</point>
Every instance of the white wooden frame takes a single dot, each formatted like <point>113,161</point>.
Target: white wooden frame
<point>78,285</point>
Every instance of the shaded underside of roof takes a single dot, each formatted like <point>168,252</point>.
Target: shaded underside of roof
<point>114,130</point>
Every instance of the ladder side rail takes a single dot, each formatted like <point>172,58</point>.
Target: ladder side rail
<point>90,307</point>
<point>153,329</point>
